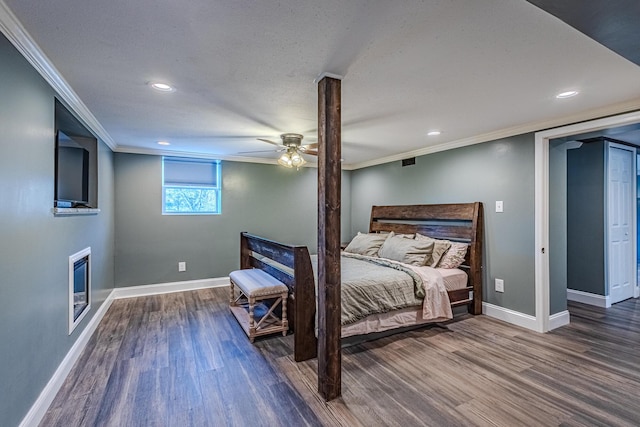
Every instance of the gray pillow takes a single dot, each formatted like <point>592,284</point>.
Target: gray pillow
<point>366,244</point>
<point>409,251</point>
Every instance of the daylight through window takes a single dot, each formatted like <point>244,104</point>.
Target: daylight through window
<point>191,186</point>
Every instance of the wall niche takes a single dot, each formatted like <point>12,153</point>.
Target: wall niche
<point>76,165</point>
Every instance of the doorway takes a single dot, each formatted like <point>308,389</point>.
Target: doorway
<point>545,322</point>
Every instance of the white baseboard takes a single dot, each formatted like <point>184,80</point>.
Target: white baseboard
<point>559,319</point>
<point>588,298</point>
<point>510,316</point>
<point>42,403</point>
<point>166,288</point>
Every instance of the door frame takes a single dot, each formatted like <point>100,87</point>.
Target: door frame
<point>541,226</point>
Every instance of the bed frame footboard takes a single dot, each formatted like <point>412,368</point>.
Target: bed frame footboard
<point>292,266</point>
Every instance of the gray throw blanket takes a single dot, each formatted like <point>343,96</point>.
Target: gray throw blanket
<point>375,285</point>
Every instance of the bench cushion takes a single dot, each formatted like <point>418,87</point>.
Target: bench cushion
<point>256,283</point>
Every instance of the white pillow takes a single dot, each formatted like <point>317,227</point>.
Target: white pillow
<point>454,257</point>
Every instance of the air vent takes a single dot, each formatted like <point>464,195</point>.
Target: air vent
<point>409,162</point>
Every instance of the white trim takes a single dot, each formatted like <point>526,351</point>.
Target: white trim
<point>42,403</point>
<point>325,74</point>
<point>166,288</point>
<point>588,298</point>
<point>13,29</point>
<point>541,231</point>
<point>542,202</point>
<point>559,319</point>
<point>509,316</point>
<point>231,158</point>
<point>75,211</point>
<point>85,253</point>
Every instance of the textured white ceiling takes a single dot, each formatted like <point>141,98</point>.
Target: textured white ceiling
<point>244,69</point>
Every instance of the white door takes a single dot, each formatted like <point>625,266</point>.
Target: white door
<point>620,217</point>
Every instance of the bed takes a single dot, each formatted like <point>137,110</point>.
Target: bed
<point>292,265</point>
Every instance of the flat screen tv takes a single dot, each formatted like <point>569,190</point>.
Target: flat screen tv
<point>72,172</point>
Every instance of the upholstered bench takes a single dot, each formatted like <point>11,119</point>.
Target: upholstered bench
<point>256,285</point>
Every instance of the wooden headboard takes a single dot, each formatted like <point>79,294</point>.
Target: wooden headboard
<point>460,222</point>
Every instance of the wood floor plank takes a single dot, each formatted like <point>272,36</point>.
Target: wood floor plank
<point>182,360</point>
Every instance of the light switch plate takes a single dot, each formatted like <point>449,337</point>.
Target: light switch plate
<point>499,206</point>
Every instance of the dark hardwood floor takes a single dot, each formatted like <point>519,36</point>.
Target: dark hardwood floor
<point>181,359</point>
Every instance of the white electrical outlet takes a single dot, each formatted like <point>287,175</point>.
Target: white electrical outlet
<point>182,266</point>
<point>499,285</point>
<point>499,206</point>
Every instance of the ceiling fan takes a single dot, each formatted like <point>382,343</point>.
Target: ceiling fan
<point>292,149</point>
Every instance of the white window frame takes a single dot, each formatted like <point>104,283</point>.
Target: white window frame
<point>217,188</point>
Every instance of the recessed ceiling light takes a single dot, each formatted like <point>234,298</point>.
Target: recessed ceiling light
<point>434,133</point>
<point>163,143</point>
<point>162,87</point>
<point>567,94</point>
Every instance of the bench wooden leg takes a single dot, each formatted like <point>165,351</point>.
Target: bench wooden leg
<point>252,327</point>
<point>285,322</point>
<point>232,300</point>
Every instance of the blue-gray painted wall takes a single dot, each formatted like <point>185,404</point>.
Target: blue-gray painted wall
<point>35,245</point>
<point>586,213</point>
<point>497,170</point>
<point>267,200</point>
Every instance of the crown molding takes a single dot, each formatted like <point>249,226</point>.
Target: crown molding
<point>505,133</point>
<point>13,29</point>
<point>156,152</point>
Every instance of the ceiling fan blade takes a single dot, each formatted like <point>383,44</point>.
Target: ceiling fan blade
<point>309,146</point>
<point>270,142</point>
<point>311,152</point>
<point>261,151</point>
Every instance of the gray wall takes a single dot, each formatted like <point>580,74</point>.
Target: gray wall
<point>585,211</point>
<point>35,245</point>
<point>497,170</point>
<point>557,226</point>
<point>267,200</point>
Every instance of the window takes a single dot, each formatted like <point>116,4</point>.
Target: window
<point>190,186</point>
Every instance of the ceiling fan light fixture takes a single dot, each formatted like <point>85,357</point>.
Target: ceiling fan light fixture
<point>297,160</point>
<point>285,161</point>
<point>291,159</point>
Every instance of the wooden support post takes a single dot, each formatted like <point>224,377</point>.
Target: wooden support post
<point>329,182</point>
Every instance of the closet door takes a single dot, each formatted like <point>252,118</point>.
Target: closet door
<point>620,222</point>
